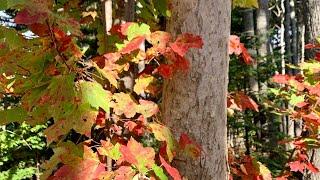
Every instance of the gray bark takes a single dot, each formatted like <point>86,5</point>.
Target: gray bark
<point>312,7</point>
<point>287,34</point>
<point>262,21</point>
<point>195,103</point>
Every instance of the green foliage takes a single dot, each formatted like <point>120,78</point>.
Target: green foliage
<point>20,148</point>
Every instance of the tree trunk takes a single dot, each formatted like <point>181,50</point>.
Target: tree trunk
<point>195,103</point>
<point>312,8</point>
<point>262,21</point>
<point>248,22</point>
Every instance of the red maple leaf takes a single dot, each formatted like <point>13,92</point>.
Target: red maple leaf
<point>311,167</point>
<point>136,154</point>
<point>86,168</point>
<point>174,173</point>
<point>314,90</point>
<point>124,173</point>
<point>281,79</point>
<point>165,70</point>
<point>186,41</point>
<point>234,45</point>
<point>133,45</point>
<point>296,166</point>
<point>121,29</point>
<point>245,102</point>
<point>312,118</point>
<point>189,146</point>
<point>130,125</point>
<point>27,17</point>
<point>159,40</point>
<point>309,46</point>
<point>245,55</point>
<point>39,29</point>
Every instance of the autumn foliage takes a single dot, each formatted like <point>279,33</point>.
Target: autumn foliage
<point>119,127</point>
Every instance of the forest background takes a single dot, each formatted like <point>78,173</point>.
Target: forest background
<point>91,53</point>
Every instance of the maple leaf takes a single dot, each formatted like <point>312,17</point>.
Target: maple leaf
<point>159,172</point>
<point>124,104</point>
<point>314,90</point>
<point>94,94</point>
<point>144,84</point>
<point>107,66</point>
<point>162,133</point>
<point>159,40</point>
<point>120,29</point>
<point>296,166</point>
<point>147,108</point>
<point>27,17</point>
<point>309,46</point>
<point>245,102</point>
<point>86,168</point>
<point>189,147</point>
<point>245,55</point>
<point>165,70</point>
<point>130,125</point>
<point>135,30</point>
<point>132,45</point>
<point>312,118</point>
<point>39,29</point>
<point>234,45</point>
<point>101,118</point>
<point>110,150</point>
<point>184,42</point>
<point>124,173</point>
<point>64,152</point>
<point>311,167</point>
<point>174,173</point>
<point>136,154</point>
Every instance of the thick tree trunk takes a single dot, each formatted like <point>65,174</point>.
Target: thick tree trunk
<point>195,103</point>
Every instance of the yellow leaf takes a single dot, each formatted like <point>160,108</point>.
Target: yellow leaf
<point>245,3</point>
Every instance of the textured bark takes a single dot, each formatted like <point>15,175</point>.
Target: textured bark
<point>287,32</point>
<point>248,23</point>
<point>312,20</point>
<point>312,8</point>
<point>195,103</point>
<point>262,21</point>
<point>294,29</point>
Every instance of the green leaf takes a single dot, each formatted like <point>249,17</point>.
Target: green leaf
<point>162,7</point>
<point>13,115</point>
<point>136,30</point>
<point>294,99</point>
<point>94,94</point>
<point>245,3</point>
<point>159,172</point>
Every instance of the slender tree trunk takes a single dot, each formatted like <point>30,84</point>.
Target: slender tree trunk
<point>287,34</point>
<point>195,103</point>
<point>107,12</point>
<point>248,21</point>
<point>312,7</point>
<point>262,21</point>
